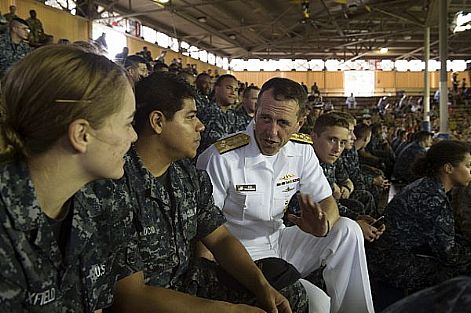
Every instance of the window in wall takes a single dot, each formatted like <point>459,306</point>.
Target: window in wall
<point>218,61</point>
<point>386,65</point>
<point>360,83</point>
<point>173,44</point>
<point>416,65</point>
<point>300,65</point>
<point>203,55</point>
<point>332,65</point>
<point>65,5</point>
<point>185,47</point>
<point>149,34</point>
<point>316,64</point>
<point>225,63</point>
<point>115,40</point>
<point>163,40</point>
<point>401,65</point>
<point>211,58</point>
<point>194,52</point>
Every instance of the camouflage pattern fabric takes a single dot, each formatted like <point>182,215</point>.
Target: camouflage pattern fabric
<point>10,53</point>
<point>218,124</point>
<point>403,166</point>
<point>451,296</point>
<point>420,247</point>
<point>350,162</point>
<point>36,34</point>
<point>170,223</point>
<point>242,119</point>
<point>461,203</point>
<point>329,172</point>
<point>205,279</point>
<point>361,180</point>
<point>35,276</point>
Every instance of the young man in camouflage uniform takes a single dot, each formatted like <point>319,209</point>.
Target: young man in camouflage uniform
<point>246,111</point>
<point>330,136</point>
<point>174,206</point>
<point>13,44</point>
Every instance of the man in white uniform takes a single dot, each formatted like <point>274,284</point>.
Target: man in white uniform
<point>256,172</point>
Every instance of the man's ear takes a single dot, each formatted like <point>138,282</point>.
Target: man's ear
<point>300,123</point>
<point>78,135</point>
<point>157,121</point>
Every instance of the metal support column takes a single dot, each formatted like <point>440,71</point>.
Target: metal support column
<point>426,99</point>
<point>443,46</point>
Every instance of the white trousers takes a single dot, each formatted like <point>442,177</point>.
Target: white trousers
<point>319,301</point>
<point>343,253</point>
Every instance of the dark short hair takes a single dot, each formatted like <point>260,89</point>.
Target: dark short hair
<point>160,91</point>
<point>222,77</point>
<point>18,20</point>
<point>286,89</point>
<point>330,119</point>
<point>361,130</point>
<point>347,116</point>
<point>248,89</point>
<point>201,75</point>
<point>136,59</point>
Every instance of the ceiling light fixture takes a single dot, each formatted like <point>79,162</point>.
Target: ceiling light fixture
<point>232,36</point>
<point>162,1</point>
<point>383,50</point>
<point>202,19</point>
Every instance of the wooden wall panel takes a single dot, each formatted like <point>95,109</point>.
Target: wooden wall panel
<point>136,44</point>
<point>55,22</point>
<point>333,81</point>
<point>316,77</point>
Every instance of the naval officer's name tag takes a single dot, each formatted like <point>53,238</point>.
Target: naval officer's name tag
<point>250,187</point>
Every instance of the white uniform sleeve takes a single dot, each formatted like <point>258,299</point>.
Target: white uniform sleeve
<point>212,162</point>
<point>313,180</point>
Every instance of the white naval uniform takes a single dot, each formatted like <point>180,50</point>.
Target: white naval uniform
<point>253,191</point>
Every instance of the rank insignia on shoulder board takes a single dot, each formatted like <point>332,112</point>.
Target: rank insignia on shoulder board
<point>231,143</point>
<point>301,138</point>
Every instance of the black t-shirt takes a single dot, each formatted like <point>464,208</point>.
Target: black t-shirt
<point>61,227</point>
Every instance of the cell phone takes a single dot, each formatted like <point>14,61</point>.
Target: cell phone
<point>379,222</point>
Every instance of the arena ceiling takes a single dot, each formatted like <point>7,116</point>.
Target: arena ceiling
<point>299,29</point>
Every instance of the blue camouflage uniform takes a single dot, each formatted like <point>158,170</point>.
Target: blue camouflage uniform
<point>452,296</point>
<point>403,166</point>
<point>217,124</point>
<point>420,247</point>
<point>359,194</point>
<point>242,119</point>
<point>36,275</point>
<point>329,173</point>
<point>10,52</point>
<point>170,221</point>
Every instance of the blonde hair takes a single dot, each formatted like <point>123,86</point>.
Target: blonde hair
<point>50,88</point>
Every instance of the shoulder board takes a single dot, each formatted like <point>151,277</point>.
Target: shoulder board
<point>231,143</point>
<point>301,138</point>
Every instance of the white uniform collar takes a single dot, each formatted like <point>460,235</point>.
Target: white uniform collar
<point>254,156</point>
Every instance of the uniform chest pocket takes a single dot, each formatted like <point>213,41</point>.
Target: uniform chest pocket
<point>99,278</point>
<point>247,206</point>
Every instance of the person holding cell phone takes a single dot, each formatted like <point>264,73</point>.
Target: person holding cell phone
<point>421,247</point>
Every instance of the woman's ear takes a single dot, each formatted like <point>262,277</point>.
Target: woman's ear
<point>448,168</point>
<point>156,121</point>
<point>78,135</point>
